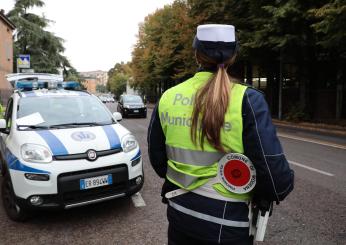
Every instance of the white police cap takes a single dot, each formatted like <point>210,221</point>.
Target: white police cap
<point>216,33</point>
<point>216,41</point>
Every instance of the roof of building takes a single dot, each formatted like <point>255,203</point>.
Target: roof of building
<point>6,20</point>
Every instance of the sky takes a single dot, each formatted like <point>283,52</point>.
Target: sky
<point>97,33</point>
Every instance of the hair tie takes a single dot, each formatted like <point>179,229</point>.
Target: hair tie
<point>221,65</point>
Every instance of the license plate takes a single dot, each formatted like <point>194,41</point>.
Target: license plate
<point>95,182</point>
<point>135,110</point>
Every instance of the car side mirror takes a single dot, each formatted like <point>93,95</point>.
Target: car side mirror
<point>3,128</point>
<point>117,116</point>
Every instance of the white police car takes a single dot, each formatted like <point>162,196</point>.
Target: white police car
<point>63,149</point>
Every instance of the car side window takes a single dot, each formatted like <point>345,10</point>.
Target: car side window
<point>8,114</point>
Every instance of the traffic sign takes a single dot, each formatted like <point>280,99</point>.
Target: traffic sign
<point>237,173</point>
<point>23,61</point>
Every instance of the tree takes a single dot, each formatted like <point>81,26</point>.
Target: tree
<point>43,46</point>
<point>163,54</point>
<point>299,47</point>
<point>330,30</point>
<point>118,77</point>
<point>101,88</point>
<point>117,84</point>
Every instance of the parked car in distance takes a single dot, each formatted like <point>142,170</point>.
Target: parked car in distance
<point>105,98</point>
<point>131,105</point>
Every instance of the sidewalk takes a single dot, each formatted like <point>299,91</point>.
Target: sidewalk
<point>313,127</point>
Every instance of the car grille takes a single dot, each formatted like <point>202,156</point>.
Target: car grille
<point>85,155</point>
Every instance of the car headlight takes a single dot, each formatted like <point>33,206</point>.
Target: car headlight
<point>36,153</point>
<point>129,143</point>
<point>127,106</point>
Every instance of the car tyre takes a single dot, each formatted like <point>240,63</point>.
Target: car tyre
<point>13,210</point>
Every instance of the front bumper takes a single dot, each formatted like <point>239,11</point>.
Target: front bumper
<point>69,193</point>
<point>135,111</point>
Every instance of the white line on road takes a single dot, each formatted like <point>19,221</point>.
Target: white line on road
<point>325,143</point>
<point>310,168</point>
<point>138,200</point>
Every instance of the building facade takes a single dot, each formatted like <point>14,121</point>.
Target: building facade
<point>100,76</point>
<point>90,84</point>
<point>6,55</point>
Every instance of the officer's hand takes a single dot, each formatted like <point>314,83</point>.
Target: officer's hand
<point>263,205</point>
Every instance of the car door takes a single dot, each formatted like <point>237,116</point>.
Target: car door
<point>9,123</point>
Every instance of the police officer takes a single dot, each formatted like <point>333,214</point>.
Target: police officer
<point>198,123</point>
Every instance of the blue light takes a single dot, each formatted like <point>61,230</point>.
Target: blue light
<point>26,85</point>
<point>71,85</point>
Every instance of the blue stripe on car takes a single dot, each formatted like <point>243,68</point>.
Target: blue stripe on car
<point>112,136</point>
<point>53,142</point>
<point>14,164</point>
<point>137,155</point>
<point>17,165</point>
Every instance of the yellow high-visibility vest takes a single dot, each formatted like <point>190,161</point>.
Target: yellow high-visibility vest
<point>190,167</point>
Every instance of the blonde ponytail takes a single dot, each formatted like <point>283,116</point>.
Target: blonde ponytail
<point>210,107</point>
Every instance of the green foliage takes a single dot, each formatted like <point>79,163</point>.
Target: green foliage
<point>71,75</point>
<point>43,46</point>
<point>163,51</point>
<point>296,113</point>
<point>1,112</point>
<point>300,35</point>
<point>331,26</point>
<point>101,88</point>
<point>118,77</point>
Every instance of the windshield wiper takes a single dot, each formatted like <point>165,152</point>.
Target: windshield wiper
<point>33,126</point>
<point>78,124</point>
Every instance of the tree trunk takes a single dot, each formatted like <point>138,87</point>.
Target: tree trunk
<point>249,72</point>
<point>339,92</point>
<point>269,88</point>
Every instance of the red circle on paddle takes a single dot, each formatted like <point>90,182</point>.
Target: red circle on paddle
<point>236,173</point>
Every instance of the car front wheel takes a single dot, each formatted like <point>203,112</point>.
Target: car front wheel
<point>13,210</point>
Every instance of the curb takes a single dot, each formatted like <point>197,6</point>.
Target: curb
<point>319,128</point>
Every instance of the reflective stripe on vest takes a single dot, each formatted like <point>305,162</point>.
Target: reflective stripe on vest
<point>193,157</point>
<point>181,178</point>
<point>209,218</point>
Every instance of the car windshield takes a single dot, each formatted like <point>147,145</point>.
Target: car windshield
<point>133,99</point>
<point>64,111</point>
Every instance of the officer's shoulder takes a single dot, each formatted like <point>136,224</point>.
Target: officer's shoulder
<point>175,88</point>
<point>250,88</point>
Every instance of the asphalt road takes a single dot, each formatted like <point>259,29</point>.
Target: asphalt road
<point>314,213</point>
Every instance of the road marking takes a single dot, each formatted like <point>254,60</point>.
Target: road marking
<point>310,168</point>
<point>138,200</point>
<point>319,142</point>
